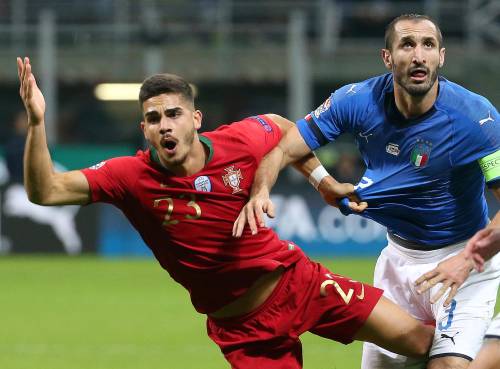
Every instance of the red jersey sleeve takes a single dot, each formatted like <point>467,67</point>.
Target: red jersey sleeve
<point>110,180</point>
<point>258,133</point>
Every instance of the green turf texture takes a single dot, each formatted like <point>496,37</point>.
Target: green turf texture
<point>91,313</point>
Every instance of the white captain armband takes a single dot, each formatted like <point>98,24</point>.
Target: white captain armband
<point>490,166</point>
<point>317,175</point>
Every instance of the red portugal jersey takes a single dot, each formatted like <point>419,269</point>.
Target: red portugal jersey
<point>187,221</point>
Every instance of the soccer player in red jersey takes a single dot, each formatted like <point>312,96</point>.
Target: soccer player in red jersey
<point>183,195</point>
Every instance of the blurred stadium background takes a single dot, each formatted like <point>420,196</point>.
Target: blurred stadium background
<point>245,58</point>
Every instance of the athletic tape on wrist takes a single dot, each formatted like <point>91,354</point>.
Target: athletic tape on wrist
<point>317,175</point>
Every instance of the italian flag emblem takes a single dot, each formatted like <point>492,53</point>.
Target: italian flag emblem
<point>420,153</point>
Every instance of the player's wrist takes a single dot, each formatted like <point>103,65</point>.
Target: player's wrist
<point>262,193</point>
<point>317,175</point>
<point>466,256</point>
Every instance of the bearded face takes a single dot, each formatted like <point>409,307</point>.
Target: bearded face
<point>415,56</point>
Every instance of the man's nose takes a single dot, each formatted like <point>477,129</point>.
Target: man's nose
<point>418,55</point>
<point>165,126</point>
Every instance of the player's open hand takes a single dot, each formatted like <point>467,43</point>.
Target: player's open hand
<point>451,273</point>
<point>332,192</point>
<point>253,214</point>
<point>31,95</point>
<point>483,246</point>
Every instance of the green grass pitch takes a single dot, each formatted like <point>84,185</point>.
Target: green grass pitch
<point>91,313</point>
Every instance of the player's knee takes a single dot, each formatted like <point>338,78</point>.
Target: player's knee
<point>421,339</point>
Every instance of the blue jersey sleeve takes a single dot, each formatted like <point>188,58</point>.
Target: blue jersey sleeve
<point>478,135</point>
<point>338,114</point>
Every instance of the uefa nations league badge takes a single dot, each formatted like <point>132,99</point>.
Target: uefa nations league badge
<point>202,183</point>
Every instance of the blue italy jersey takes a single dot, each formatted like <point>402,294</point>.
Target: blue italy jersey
<point>423,180</point>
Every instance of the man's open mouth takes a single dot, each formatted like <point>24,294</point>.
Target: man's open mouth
<point>418,74</point>
<point>169,144</point>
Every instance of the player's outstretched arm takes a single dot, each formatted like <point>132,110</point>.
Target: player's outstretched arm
<point>291,149</point>
<point>483,246</point>
<point>43,185</point>
<point>453,272</point>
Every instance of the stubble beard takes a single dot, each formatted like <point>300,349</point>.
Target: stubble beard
<point>413,89</point>
<point>187,143</point>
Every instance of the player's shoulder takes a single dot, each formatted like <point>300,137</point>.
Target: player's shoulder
<point>365,93</point>
<point>123,163</point>
<point>240,130</point>
<point>458,101</point>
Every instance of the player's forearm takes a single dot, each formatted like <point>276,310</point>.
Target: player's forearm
<point>493,247</point>
<point>495,222</point>
<point>267,173</point>
<point>307,164</point>
<point>38,169</point>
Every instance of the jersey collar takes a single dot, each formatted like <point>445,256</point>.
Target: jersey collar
<point>208,143</point>
<point>394,115</point>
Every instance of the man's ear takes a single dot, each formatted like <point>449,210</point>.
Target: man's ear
<point>386,58</point>
<point>198,116</point>
<point>442,53</point>
<point>143,129</point>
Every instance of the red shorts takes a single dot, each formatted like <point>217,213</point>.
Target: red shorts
<point>307,298</point>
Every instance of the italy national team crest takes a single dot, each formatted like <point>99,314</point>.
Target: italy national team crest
<point>420,153</point>
<point>233,178</point>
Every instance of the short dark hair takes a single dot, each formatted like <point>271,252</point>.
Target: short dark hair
<point>390,29</point>
<point>165,84</point>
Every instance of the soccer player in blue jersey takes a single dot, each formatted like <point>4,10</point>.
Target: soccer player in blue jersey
<point>429,146</point>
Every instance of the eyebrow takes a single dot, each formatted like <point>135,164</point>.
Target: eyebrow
<point>151,113</point>
<point>167,111</point>
<point>406,38</point>
<point>430,38</point>
<point>412,39</point>
<point>173,110</point>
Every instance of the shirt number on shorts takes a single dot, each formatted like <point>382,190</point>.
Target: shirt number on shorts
<point>450,311</point>
<point>345,296</point>
<point>167,220</point>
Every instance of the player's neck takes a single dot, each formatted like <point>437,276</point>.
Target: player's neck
<point>414,106</point>
<point>194,162</point>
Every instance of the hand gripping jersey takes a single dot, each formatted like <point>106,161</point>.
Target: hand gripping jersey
<point>423,180</point>
<point>187,221</point>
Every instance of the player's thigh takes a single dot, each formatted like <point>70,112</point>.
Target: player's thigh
<point>375,357</point>
<point>461,326</point>
<point>392,328</point>
<point>281,353</point>
<point>448,362</point>
<point>489,356</point>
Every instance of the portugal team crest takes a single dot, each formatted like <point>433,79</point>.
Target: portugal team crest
<point>233,178</point>
<point>420,153</point>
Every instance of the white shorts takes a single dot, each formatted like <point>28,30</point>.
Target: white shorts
<point>494,328</point>
<point>460,327</point>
